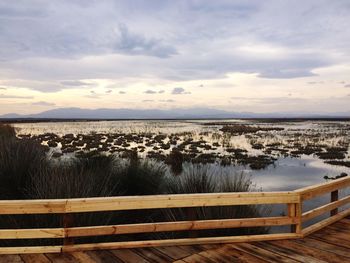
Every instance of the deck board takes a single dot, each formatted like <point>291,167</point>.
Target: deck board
<point>331,244</point>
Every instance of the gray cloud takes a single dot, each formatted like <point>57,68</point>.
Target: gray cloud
<point>347,86</point>
<point>3,96</point>
<point>75,83</point>
<point>122,92</point>
<point>43,103</point>
<point>47,41</point>
<point>1,88</point>
<point>135,44</point>
<point>147,100</point>
<point>178,91</point>
<point>149,91</point>
<point>169,100</point>
<point>109,91</point>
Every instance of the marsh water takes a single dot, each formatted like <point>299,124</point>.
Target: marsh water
<point>283,155</point>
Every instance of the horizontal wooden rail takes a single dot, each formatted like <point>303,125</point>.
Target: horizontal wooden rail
<point>97,204</point>
<point>325,208</point>
<point>144,228</point>
<point>310,192</point>
<point>292,199</point>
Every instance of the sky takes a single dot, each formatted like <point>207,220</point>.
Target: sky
<point>235,55</point>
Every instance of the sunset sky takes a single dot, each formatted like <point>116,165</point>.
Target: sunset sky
<point>252,56</point>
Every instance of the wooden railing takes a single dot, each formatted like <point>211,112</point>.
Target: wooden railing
<point>67,207</point>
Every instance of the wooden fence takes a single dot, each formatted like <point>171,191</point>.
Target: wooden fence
<point>292,199</point>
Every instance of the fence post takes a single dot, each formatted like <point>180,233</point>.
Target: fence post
<point>334,197</point>
<point>68,221</point>
<point>292,213</point>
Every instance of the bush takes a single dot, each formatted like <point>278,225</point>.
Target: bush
<point>205,179</point>
<point>7,131</point>
<point>19,160</point>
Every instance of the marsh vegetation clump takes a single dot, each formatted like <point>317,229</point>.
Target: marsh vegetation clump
<point>205,179</point>
<point>239,129</point>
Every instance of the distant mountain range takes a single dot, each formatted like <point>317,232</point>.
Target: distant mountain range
<point>179,113</point>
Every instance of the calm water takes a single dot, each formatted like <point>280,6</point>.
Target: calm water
<point>287,173</point>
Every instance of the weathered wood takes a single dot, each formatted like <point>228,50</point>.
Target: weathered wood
<point>68,221</point>
<point>292,214</point>
<point>326,222</point>
<point>323,188</point>
<point>325,208</point>
<point>35,258</point>
<point>172,242</point>
<point>334,198</point>
<point>30,250</point>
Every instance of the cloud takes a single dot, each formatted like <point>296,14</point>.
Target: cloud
<point>347,86</point>
<point>2,96</point>
<point>136,44</point>
<point>161,91</point>
<point>169,100</point>
<point>149,91</point>
<point>122,92</point>
<point>43,103</point>
<point>178,91</point>
<point>93,95</point>
<point>147,100</point>
<point>75,83</point>
<point>1,88</point>
<point>109,91</point>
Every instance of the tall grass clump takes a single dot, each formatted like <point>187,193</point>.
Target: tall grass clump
<point>206,179</point>
<point>7,131</point>
<point>19,159</point>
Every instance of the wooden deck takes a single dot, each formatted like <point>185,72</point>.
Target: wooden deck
<point>330,244</point>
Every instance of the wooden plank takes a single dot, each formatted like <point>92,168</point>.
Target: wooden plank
<point>219,256</point>
<point>334,237</point>
<point>96,204</point>
<point>173,201</point>
<point>230,254</point>
<point>323,188</point>
<point>196,258</point>
<point>325,246</point>
<point>83,257</point>
<point>292,214</point>
<point>174,242</point>
<point>153,255</point>
<point>35,258</point>
<point>30,250</point>
<point>315,252</point>
<point>262,253</point>
<point>40,206</point>
<point>103,257</point>
<point>128,256</point>
<point>10,258</point>
<point>142,228</point>
<point>61,258</point>
<point>244,257</point>
<point>287,252</point>
<point>325,208</point>
<point>326,222</point>
<point>177,226</point>
<point>334,197</point>
<point>32,233</point>
<point>174,252</point>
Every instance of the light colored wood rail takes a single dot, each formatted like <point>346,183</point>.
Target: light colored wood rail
<point>97,204</point>
<point>292,199</point>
